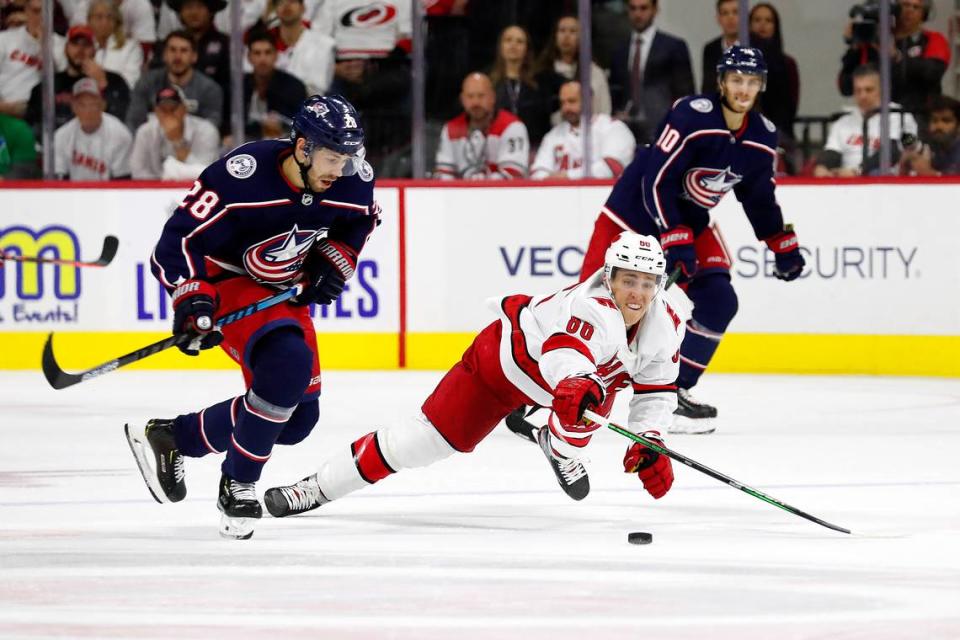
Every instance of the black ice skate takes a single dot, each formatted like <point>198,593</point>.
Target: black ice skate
<point>692,416</point>
<point>240,508</point>
<point>161,464</point>
<point>517,423</point>
<point>570,472</point>
<point>295,498</point>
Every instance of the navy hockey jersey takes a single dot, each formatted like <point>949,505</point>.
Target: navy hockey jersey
<point>694,162</point>
<point>242,216</point>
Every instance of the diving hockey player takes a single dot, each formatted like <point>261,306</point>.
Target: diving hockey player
<point>571,351</point>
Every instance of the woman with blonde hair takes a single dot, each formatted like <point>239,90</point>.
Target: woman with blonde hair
<point>562,56</point>
<point>529,95</point>
<point>115,51</point>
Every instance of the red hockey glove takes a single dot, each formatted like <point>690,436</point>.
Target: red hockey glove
<point>327,269</point>
<point>194,304</point>
<point>653,469</point>
<point>786,251</point>
<point>575,395</point>
<point>677,244</point>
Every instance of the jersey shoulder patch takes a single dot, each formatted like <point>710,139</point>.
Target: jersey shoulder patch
<point>365,171</point>
<point>241,166</point>
<point>772,128</point>
<point>702,105</point>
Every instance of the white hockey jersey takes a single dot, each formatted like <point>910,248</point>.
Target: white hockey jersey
<point>499,153</point>
<point>101,155</point>
<point>846,134</point>
<point>580,330</point>
<point>20,62</point>
<point>363,28</point>
<point>561,150</point>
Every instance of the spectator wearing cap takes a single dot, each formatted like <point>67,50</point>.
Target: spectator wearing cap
<point>173,144</point>
<point>203,97</point>
<point>93,145</point>
<point>79,51</point>
<point>271,97</point>
<point>304,53</point>
<point>114,50</point>
<point>20,58</point>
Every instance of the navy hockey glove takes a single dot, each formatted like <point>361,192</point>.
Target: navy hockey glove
<point>786,251</point>
<point>327,270</point>
<point>194,304</point>
<point>677,244</point>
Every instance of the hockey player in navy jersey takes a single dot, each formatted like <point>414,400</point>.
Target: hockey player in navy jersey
<point>266,216</point>
<point>706,146</point>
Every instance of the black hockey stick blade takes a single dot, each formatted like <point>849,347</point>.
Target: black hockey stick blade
<point>60,379</point>
<point>702,468</point>
<point>107,254</point>
<point>109,251</point>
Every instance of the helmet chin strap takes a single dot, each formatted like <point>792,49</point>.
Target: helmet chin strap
<point>304,169</point>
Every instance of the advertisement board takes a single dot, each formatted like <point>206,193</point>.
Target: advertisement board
<point>878,295</point>
<point>94,310</point>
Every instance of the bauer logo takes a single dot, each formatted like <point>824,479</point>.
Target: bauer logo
<point>32,281</point>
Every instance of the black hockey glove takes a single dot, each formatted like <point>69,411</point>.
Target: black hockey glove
<point>786,252</point>
<point>326,271</point>
<point>194,304</point>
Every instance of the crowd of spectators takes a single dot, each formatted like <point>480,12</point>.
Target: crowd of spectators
<point>142,87</point>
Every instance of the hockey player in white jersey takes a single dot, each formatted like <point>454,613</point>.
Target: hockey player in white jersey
<point>561,152</point>
<point>571,351</point>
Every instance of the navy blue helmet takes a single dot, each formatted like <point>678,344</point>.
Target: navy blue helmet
<point>330,122</point>
<point>748,60</point>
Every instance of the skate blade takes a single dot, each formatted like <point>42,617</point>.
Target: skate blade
<point>139,449</point>
<point>688,426</point>
<point>236,528</point>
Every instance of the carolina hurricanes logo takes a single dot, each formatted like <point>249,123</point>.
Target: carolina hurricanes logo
<point>707,186</point>
<point>279,259</point>
<point>373,14</point>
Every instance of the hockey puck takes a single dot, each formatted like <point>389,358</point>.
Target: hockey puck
<point>639,537</point>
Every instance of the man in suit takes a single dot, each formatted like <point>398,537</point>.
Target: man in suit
<point>649,73</point>
<point>728,17</point>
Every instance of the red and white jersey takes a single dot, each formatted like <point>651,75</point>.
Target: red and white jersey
<point>101,155</point>
<point>846,134</point>
<point>364,28</point>
<point>580,330</point>
<point>20,62</point>
<point>561,151</point>
<point>499,153</point>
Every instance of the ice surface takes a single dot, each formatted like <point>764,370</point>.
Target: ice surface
<point>486,545</point>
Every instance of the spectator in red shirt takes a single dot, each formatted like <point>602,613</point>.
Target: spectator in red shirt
<point>918,60</point>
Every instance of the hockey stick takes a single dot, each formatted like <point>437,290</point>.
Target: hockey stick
<point>110,245</point>
<point>60,379</point>
<point>702,468</point>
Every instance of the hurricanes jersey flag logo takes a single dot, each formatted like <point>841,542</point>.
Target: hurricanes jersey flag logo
<point>279,259</point>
